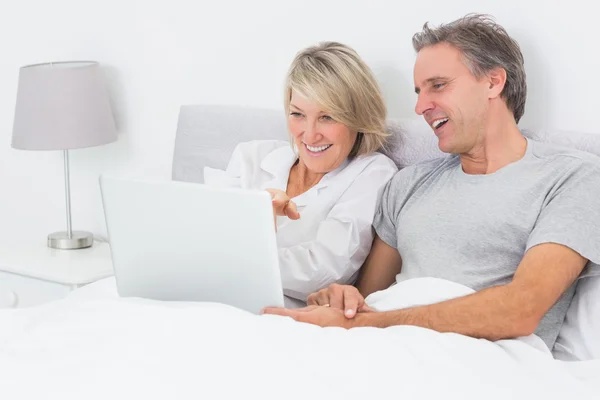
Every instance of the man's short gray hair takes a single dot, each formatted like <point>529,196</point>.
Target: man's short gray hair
<point>485,45</point>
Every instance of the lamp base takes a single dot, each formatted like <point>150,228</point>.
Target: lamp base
<point>78,240</point>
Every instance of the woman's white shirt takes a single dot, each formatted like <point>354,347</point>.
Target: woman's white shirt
<point>333,236</point>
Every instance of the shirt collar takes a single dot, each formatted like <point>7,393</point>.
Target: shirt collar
<point>330,175</point>
<point>279,162</point>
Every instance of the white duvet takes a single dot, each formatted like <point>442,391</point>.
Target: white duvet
<point>95,345</point>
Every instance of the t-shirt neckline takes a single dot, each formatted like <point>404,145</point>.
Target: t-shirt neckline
<point>502,171</point>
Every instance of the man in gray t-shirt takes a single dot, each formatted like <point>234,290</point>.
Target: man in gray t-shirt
<point>475,229</point>
<point>516,220</point>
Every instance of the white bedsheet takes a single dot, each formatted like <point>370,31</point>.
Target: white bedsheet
<point>95,345</point>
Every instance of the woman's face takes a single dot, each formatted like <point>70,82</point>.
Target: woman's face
<point>323,143</point>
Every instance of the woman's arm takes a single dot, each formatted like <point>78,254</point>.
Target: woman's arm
<point>343,238</point>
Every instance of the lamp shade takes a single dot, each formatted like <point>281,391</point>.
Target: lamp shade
<point>61,106</point>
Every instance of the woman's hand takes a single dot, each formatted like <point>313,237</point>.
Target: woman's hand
<point>282,205</point>
<point>343,297</point>
<point>316,315</point>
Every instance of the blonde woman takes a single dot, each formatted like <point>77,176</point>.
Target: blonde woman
<point>326,184</point>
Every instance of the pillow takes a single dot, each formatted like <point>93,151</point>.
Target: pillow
<point>207,135</point>
<point>579,337</point>
<point>411,141</point>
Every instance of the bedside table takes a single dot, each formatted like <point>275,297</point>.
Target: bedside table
<point>32,275</point>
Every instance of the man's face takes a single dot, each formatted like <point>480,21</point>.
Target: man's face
<point>452,101</point>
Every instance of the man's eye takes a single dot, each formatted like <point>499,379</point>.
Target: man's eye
<point>438,86</point>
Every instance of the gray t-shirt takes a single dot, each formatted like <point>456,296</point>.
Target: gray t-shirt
<point>475,229</point>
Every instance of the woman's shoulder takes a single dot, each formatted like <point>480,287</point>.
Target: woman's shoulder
<point>367,170</point>
<point>374,161</point>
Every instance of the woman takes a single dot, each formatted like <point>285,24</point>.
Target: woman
<point>326,184</point>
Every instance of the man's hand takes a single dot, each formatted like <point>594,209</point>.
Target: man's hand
<point>317,315</point>
<point>498,312</point>
<point>340,297</point>
<point>282,205</point>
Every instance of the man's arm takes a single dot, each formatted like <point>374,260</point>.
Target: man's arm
<point>512,310</point>
<point>379,269</point>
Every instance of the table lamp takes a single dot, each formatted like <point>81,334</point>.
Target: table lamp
<point>63,106</point>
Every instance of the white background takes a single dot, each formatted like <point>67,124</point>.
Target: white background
<point>158,55</point>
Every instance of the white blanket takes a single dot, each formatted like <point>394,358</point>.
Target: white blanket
<point>95,345</point>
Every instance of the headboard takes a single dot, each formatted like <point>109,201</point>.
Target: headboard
<point>207,134</point>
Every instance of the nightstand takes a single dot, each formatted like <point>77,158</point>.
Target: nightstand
<point>32,275</point>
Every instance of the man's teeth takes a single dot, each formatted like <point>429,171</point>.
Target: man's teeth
<point>438,122</point>
<point>318,148</point>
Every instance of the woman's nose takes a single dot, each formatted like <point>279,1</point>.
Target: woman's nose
<point>311,133</point>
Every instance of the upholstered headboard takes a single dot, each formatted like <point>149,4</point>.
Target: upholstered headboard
<point>207,135</point>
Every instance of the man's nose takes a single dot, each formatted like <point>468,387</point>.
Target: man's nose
<point>423,104</point>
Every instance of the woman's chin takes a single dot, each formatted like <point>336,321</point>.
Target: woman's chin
<point>321,166</point>
<point>321,162</point>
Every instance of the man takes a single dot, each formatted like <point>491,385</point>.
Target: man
<point>514,219</point>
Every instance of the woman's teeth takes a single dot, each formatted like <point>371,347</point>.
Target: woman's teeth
<point>317,149</point>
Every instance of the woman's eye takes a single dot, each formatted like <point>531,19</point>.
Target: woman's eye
<point>295,114</point>
<point>327,118</point>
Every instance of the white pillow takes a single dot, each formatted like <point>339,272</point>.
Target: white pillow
<point>579,337</point>
<point>219,177</point>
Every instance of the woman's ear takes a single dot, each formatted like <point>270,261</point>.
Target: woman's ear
<point>497,81</point>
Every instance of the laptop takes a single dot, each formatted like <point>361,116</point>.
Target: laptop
<point>180,241</point>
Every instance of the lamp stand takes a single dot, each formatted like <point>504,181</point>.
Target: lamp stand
<point>70,239</point>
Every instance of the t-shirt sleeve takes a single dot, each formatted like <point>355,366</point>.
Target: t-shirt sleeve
<point>571,215</point>
<point>384,221</point>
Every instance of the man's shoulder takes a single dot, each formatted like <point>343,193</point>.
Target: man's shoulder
<point>424,169</point>
<point>562,156</point>
<point>422,174</point>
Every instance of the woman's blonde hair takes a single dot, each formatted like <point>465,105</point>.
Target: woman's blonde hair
<point>333,76</point>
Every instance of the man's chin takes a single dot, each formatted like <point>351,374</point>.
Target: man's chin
<point>446,147</point>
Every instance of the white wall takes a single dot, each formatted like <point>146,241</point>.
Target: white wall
<point>159,55</point>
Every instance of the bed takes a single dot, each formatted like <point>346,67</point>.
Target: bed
<point>97,345</point>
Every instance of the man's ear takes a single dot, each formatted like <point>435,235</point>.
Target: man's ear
<point>497,80</point>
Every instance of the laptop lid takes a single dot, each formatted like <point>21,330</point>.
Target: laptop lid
<point>183,241</point>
